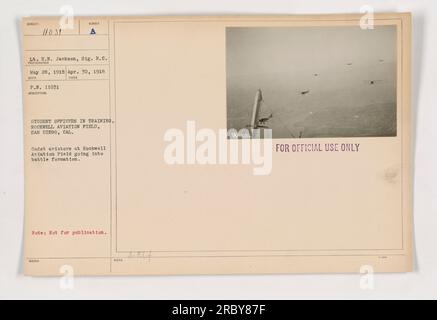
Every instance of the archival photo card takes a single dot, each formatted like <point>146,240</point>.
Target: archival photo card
<point>131,166</point>
<point>312,82</point>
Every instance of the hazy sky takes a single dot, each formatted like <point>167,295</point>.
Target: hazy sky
<point>253,50</point>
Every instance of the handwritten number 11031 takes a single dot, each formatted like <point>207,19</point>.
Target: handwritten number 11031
<point>51,32</point>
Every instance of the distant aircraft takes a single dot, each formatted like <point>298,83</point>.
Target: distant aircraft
<point>262,121</point>
<point>372,82</point>
<point>304,92</point>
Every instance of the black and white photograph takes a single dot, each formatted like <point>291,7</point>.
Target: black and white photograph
<point>312,82</point>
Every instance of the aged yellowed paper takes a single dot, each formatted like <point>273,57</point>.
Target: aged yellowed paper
<point>217,145</point>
